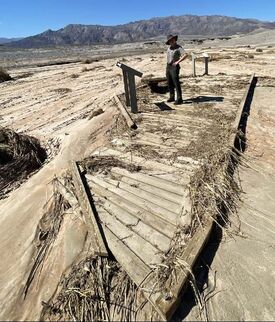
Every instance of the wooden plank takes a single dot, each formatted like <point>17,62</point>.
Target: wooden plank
<point>99,245</point>
<point>152,80</point>
<point>125,114</point>
<point>126,88</point>
<point>239,114</point>
<point>133,265</point>
<point>129,70</point>
<point>133,93</point>
<point>198,241</point>
<point>154,237</point>
<point>168,305</point>
<point>178,189</point>
<point>147,195</point>
<point>152,220</point>
<point>149,254</point>
<point>151,207</point>
<point>155,79</point>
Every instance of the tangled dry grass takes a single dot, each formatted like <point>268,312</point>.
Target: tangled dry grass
<point>20,155</point>
<point>46,233</point>
<point>97,289</point>
<point>106,163</point>
<point>4,76</point>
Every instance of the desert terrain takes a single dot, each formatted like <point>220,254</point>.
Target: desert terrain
<point>70,109</point>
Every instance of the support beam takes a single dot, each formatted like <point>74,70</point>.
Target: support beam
<point>126,88</point>
<point>125,114</point>
<point>83,199</point>
<point>133,94</point>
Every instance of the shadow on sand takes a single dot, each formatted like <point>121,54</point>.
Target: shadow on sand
<point>204,99</point>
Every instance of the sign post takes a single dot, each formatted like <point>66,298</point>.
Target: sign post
<point>130,85</point>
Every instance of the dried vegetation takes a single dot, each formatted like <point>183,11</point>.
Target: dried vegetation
<point>20,155</point>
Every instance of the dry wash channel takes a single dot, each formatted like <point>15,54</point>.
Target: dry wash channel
<point>155,192</point>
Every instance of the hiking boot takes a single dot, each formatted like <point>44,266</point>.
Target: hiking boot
<point>171,99</point>
<point>179,101</point>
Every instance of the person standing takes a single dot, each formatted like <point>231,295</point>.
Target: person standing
<point>175,55</point>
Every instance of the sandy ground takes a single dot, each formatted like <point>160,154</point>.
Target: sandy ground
<point>54,105</point>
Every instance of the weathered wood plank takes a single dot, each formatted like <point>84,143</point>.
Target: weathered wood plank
<point>147,195</point>
<point>144,204</point>
<point>149,254</point>
<point>150,219</point>
<point>164,184</point>
<point>125,114</point>
<point>239,114</point>
<point>99,245</point>
<point>155,238</point>
<point>133,265</point>
<point>133,93</point>
<point>138,271</point>
<point>126,88</point>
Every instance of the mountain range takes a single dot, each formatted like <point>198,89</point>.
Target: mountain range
<point>8,40</point>
<point>187,25</point>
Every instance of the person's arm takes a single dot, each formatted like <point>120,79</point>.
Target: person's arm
<point>183,57</point>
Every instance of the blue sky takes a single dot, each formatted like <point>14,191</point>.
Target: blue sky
<point>20,18</point>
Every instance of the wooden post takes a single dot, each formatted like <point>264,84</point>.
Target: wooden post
<point>206,60</point>
<point>133,95</point>
<point>194,64</point>
<point>126,87</point>
<point>206,65</point>
<point>130,86</point>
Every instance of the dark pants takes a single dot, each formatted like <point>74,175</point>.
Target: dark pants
<point>172,75</point>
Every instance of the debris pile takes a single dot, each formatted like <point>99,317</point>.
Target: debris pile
<point>97,289</point>
<point>4,76</point>
<point>20,155</point>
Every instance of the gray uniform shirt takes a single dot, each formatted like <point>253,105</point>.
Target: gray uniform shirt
<point>174,54</point>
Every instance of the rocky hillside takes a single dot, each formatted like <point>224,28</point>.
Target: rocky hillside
<point>8,40</point>
<point>143,30</point>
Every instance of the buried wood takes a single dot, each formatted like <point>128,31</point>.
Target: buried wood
<point>125,114</point>
<point>201,236</point>
<point>99,245</point>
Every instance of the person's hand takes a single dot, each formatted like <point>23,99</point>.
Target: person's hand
<point>175,63</point>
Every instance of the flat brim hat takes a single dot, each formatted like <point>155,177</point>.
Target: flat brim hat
<point>170,37</point>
